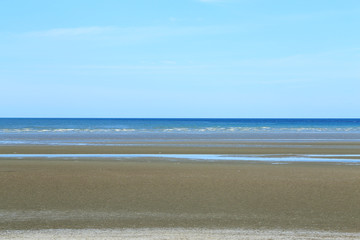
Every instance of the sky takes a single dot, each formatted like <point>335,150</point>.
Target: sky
<point>180,58</point>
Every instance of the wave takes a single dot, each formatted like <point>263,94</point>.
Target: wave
<point>186,130</point>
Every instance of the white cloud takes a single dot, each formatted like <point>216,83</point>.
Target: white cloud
<point>64,32</point>
<point>211,1</point>
<point>130,34</point>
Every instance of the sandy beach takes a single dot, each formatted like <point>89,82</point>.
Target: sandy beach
<point>153,193</point>
<point>177,234</point>
<point>144,198</point>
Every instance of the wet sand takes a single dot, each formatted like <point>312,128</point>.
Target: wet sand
<point>193,147</point>
<point>153,193</point>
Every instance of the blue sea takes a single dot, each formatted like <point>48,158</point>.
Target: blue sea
<point>102,129</point>
<point>194,125</point>
<point>124,131</point>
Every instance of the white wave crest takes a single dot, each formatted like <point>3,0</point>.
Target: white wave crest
<point>189,130</point>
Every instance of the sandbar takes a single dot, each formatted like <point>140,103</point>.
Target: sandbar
<point>191,147</point>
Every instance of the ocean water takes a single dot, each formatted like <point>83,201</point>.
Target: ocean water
<point>34,125</point>
<point>184,132</point>
<point>96,130</point>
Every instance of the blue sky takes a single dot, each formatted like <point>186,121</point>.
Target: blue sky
<point>181,58</point>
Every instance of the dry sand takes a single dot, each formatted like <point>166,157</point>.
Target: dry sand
<point>176,233</point>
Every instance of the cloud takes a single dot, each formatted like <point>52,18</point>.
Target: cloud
<point>129,34</point>
<point>211,1</point>
<point>64,32</point>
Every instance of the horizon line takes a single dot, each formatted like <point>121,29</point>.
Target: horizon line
<point>179,117</point>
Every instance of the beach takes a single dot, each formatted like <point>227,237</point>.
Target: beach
<point>155,193</point>
<point>79,186</point>
<point>178,234</point>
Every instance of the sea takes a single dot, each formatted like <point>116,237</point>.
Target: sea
<point>107,131</point>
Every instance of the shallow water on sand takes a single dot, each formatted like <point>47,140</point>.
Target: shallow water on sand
<point>341,158</point>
